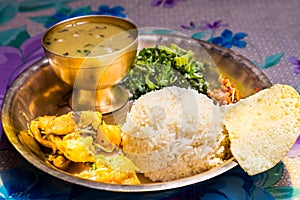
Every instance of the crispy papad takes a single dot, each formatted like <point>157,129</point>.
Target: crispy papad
<point>263,127</point>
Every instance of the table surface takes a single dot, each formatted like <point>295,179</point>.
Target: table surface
<point>267,32</point>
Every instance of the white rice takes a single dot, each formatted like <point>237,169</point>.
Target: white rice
<point>174,133</point>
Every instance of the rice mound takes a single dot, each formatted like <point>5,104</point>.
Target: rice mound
<point>174,133</point>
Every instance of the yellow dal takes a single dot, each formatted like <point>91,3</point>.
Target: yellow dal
<point>87,39</point>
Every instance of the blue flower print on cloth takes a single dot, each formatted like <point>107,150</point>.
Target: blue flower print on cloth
<point>106,10</point>
<point>234,184</point>
<point>212,26</point>
<point>205,26</point>
<point>26,183</point>
<point>165,3</point>
<point>228,39</point>
<point>206,30</point>
<point>62,13</point>
<point>65,12</point>
<point>296,63</point>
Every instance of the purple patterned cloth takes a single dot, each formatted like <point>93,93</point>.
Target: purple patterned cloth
<point>267,32</point>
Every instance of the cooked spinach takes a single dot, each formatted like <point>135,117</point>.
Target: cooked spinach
<point>162,66</point>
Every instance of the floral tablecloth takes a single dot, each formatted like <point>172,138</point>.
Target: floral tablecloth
<point>267,32</point>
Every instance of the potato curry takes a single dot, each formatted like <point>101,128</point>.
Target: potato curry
<point>80,137</point>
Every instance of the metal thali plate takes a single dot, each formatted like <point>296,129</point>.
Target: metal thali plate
<point>38,91</point>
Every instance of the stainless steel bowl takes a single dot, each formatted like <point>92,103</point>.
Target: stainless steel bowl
<point>38,91</point>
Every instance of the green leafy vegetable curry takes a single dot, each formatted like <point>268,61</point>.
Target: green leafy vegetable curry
<point>162,66</point>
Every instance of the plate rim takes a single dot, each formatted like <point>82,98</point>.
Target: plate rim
<point>149,187</point>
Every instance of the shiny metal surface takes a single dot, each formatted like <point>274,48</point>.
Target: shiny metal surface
<point>38,91</point>
<point>95,75</point>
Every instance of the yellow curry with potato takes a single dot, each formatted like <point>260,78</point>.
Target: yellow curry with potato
<point>80,137</point>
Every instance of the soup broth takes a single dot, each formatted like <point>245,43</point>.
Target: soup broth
<point>88,39</point>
